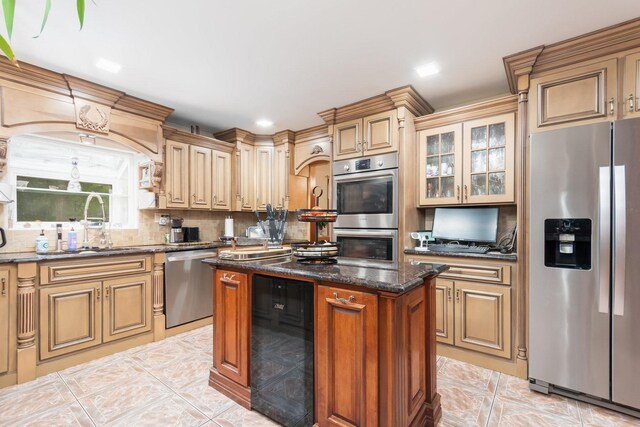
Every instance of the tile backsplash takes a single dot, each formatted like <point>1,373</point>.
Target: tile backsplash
<point>150,233</point>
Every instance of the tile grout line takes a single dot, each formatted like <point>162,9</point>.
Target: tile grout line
<point>76,397</point>
<point>493,400</point>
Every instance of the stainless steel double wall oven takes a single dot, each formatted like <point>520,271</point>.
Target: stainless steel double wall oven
<point>365,193</point>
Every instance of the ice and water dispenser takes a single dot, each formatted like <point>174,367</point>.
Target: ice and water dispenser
<point>567,243</point>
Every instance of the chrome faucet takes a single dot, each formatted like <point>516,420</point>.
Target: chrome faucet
<point>103,234</point>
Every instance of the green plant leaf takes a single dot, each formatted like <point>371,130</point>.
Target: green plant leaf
<point>8,8</point>
<point>80,4</point>
<point>47,8</point>
<point>6,49</point>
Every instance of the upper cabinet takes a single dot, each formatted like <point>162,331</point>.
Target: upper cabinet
<point>631,91</point>
<point>198,172</point>
<point>470,161</point>
<point>371,135</point>
<point>264,177</point>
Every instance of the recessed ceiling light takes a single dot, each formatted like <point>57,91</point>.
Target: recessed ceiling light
<point>427,69</point>
<point>264,123</point>
<point>110,66</point>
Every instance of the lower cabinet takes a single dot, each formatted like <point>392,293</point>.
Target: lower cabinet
<point>4,321</point>
<point>232,321</point>
<point>347,357</point>
<point>78,316</point>
<point>444,311</point>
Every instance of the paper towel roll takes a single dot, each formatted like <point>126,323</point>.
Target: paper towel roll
<point>228,227</point>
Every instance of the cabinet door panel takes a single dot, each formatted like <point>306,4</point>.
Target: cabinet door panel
<point>444,311</point>
<point>126,307</point>
<point>200,177</point>
<point>489,158</point>
<point>264,177</point>
<point>380,133</point>
<point>440,168</point>
<point>576,95</point>
<point>4,321</point>
<point>483,318</point>
<point>247,177</point>
<point>221,180</point>
<point>232,326</point>
<point>177,174</point>
<point>347,357</point>
<point>631,91</point>
<point>70,318</point>
<point>281,176</point>
<point>347,140</point>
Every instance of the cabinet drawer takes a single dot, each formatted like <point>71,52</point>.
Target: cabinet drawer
<point>93,268</point>
<point>500,274</point>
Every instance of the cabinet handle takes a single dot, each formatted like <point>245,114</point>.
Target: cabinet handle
<point>194,198</point>
<point>170,197</point>
<point>359,146</point>
<point>449,293</point>
<point>457,295</point>
<point>612,103</point>
<point>631,106</point>
<point>106,293</point>
<point>458,192</point>
<point>364,146</point>
<point>342,300</point>
<point>225,277</point>
<point>4,287</point>
<point>215,198</point>
<point>466,193</point>
<point>98,294</point>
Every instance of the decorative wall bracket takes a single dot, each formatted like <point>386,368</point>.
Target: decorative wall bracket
<point>3,156</point>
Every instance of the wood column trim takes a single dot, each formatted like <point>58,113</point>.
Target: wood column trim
<point>523,218</point>
<point>26,305</point>
<point>159,332</point>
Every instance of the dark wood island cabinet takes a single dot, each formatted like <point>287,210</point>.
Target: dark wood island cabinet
<point>373,332</point>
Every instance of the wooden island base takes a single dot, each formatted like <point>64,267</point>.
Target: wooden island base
<point>374,350</point>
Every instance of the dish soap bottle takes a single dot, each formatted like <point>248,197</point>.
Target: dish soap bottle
<point>72,237</point>
<point>42,243</point>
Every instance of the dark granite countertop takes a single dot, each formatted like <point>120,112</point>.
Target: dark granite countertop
<point>400,279</point>
<point>488,255</point>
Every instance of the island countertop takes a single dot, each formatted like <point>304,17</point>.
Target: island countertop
<point>399,279</point>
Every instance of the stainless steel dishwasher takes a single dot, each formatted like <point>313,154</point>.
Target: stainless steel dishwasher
<point>188,287</point>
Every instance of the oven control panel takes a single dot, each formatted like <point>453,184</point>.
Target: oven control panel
<point>366,164</point>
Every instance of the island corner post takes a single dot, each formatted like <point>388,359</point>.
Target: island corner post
<point>363,335</point>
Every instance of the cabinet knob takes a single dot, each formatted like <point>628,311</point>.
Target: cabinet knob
<point>380,163</point>
<point>106,293</point>
<point>457,295</point>
<point>612,104</point>
<point>193,197</point>
<point>364,146</point>
<point>466,193</point>
<point>458,192</point>
<point>215,198</point>
<point>449,293</point>
<point>342,300</point>
<point>4,287</point>
<point>359,146</point>
<point>346,168</point>
<point>98,294</point>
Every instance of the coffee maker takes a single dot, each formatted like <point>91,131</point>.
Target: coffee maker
<point>176,235</point>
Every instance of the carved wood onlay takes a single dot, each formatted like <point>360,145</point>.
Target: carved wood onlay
<point>194,139</point>
<point>316,150</point>
<point>158,288</point>
<point>505,104</point>
<point>3,155</point>
<point>92,116</point>
<point>26,305</point>
<point>156,176</point>
<point>405,96</point>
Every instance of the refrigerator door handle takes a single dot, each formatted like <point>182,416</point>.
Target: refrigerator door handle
<point>604,231</point>
<point>620,218</point>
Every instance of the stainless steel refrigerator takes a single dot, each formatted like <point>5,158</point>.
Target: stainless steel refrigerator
<point>584,271</point>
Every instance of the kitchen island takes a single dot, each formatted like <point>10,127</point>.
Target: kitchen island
<point>367,350</point>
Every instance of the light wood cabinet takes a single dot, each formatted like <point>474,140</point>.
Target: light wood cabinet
<point>371,135</point>
<point>126,307</point>
<point>70,318</point>
<point>221,197</point>
<point>586,93</point>
<point>444,311</point>
<point>347,357</point>
<point>177,176</point>
<point>281,172</point>
<point>470,162</point>
<point>246,177</point>
<point>232,321</point>
<point>631,89</point>
<point>200,177</point>
<point>4,320</point>
<point>264,177</point>
<point>483,318</point>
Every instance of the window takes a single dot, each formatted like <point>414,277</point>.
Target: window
<point>41,169</point>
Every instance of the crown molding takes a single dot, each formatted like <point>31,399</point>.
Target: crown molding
<point>284,137</point>
<point>31,75</point>
<point>519,64</point>
<point>84,89</point>
<point>405,96</point>
<point>144,108</point>
<point>236,135</point>
<point>316,132</point>
<point>492,107</point>
<point>195,139</point>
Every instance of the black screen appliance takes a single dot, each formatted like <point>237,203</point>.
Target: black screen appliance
<point>466,224</point>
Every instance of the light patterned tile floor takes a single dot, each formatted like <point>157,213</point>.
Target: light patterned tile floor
<point>166,384</point>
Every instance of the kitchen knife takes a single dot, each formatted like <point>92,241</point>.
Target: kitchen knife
<point>261,224</point>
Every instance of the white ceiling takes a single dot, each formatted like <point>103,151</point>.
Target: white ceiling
<point>223,64</point>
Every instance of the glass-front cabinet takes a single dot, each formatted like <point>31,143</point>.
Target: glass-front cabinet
<point>440,165</point>
<point>469,162</point>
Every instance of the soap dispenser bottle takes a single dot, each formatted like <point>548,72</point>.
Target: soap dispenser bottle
<point>72,237</point>
<point>42,243</point>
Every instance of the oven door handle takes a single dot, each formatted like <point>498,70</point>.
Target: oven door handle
<point>364,176</point>
<point>367,233</point>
